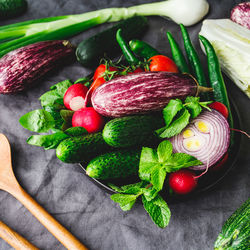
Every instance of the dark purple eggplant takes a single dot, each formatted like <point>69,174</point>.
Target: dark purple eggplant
<point>20,68</point>
<point>142,93</point>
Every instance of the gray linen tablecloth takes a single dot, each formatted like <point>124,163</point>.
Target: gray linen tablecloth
<point>80,205</point>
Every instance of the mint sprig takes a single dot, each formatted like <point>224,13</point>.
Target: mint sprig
<point>154,166</point>
<point>177,115</point>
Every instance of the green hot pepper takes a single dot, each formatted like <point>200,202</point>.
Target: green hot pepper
<point>215,77</point>
<point>128,54</point>
<point>193,57</point>
<point>143,49</point>
<point>177,54</point>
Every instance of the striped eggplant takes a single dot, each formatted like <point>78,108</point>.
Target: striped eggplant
<point>22,67</point>
<point>142,92</point>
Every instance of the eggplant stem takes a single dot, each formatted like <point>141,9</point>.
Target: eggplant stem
<point>201,89</point>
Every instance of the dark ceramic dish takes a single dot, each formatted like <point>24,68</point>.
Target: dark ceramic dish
<point>206,182</point>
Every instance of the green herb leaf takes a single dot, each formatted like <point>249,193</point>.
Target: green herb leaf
<point>171,110</point>
<point>128,189</point>
<point>76,131</point>
<point>47,141</point>
<point>158,176</point>
<point>205,105</point>
<point>84,80</point>
<point>55,113</point>
<point>164,150</point>
<point>55,95</point>
<point>38,121</point>
<point>176,126</point>
<point>148,160</point>
<point>193,106</point>
<point>67,117</point>
<point>158,210</point>
<point>149,193</point>
<point>181,160</point>
<point>126,201</point>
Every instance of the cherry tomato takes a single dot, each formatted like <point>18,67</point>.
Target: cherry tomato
<point>138,70</point>
<point>100,70</point>
<point>220,107</point>
<point>162,63</point>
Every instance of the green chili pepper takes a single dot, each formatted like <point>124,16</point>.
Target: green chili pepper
<point>177,54</point>
<point>143,49</point>
<point>193,57</point>
<point>128,54</point>
<point>215,77</point>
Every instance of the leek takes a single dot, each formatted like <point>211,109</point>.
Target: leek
<point>231,42</point>
<point>21,34</point>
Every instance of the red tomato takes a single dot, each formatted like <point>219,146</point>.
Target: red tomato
<point>100,70</point>
<point>89,119</point>
<point>219,107</point>
<point>136,71</point>
<point>162,63</point>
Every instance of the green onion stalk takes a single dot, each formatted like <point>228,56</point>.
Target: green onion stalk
<point>17,35</point>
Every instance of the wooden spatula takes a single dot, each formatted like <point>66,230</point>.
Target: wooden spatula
<point>15,239</point>
<point>9,183</point>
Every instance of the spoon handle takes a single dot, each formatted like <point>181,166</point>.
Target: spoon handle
<point>15,239</point>
<point>60,232</point>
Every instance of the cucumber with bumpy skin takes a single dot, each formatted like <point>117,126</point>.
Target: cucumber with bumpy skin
<point>132,130</point>
<point>81,148</point>
<point>118,164</point>
<point>12,8</point>
<point>235,233</point>
<point>90,51</point>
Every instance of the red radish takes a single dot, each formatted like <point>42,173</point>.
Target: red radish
<point>89,119</point>
<point>74,98</point>
<point>220,107</point>
<point>182,181</point>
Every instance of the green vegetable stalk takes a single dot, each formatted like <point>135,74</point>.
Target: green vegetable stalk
<point>53,28</point>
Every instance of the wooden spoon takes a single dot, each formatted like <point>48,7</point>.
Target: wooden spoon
<point>8,183</point>
<point>15,239</point>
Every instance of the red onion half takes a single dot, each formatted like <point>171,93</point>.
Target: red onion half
<point>207,138</point>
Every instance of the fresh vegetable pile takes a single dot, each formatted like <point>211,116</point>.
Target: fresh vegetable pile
<point>148,116</point>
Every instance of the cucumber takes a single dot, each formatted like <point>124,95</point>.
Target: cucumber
<point>81,148</point>
<point>235,234</point>
<point>11,8</point>
<point>132,130</point>
<point>118,164</point>
<point>90,51</point>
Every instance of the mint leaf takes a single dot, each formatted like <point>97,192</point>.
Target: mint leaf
<point>164,150</point>
<point>149,193</point>
<point>158,210</point>
<point>171,110</point>
<point>128,189</point>
<point>76,131</point>
<point>126,201</point>
<point>181,160</point>
<point>204,105</point>
<point>176,126</point>
<point>158,176</point>
<point>148,160</point>
<point>47,141</point>
<point>55,95</point>
<point>38,121</point>
<point>194,109</point>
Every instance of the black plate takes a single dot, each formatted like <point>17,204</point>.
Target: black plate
<point>206,182</point>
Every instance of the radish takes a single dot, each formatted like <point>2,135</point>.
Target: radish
<point>74,98</point>
<point>89,119</point>
<point>183,181</point>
